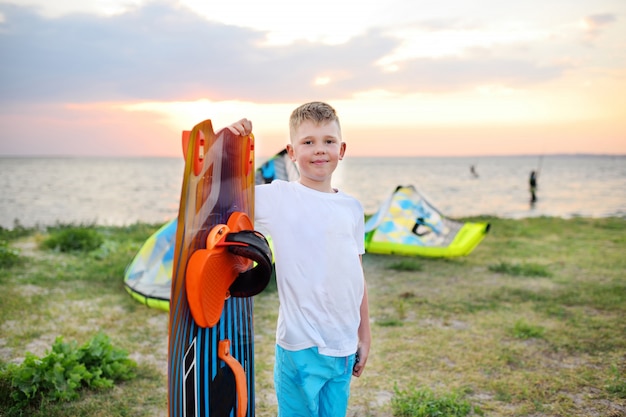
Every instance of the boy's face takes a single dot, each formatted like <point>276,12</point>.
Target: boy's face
<point>317,149</point>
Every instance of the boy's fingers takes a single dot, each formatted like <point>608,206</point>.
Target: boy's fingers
<point>358,368</point>
<point>247,125</point>
<point>234,130</point>
<point>242,127</point>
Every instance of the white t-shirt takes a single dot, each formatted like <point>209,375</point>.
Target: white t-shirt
<point>317,240</point>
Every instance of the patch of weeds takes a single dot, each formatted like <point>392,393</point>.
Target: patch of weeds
<point>74,239</point>
<point>423,402</point>
<point>389,322</point>
<point>15,233</point>
<point>609,223</point>
<point>617,384</point>
<point>538,405</point>
<point>502,392</point>
<point>524,330</point>
<point>555,310</point>
<point>607,297</point>
<point>511,358</point>
<point>519,295</point>
<point>475,305</point>
<point>5,385</point>
<point>405,265</point>
<point>9,256</point>
<point>65,370</point>
<point>527,269</point>
<point>400,307</point>
<point>396,318</point>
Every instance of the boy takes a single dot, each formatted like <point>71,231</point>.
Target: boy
<point>318,234</point>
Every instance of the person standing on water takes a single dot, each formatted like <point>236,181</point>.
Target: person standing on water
<point>532,182</point>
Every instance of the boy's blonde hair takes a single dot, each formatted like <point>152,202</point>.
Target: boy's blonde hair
<point>316,112</point>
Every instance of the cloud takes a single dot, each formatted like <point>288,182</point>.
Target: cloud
<point>163,52</point>
<point>594,24</point>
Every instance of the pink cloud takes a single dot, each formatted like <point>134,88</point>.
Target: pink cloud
<point>85,130</point>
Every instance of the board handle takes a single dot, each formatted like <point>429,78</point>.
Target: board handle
<point>223,352</point>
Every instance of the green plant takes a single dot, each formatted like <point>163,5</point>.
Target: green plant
<point>66,369</point>
<point>424,403</point>
<point>8,255</point>
<point>400,307</point>
<point>74,239</point>
<point>389,322</point>
<point>523,330</point>
<point>405,265</point>
<point>617,384</point>
<point>528,270</point>
<point>16,232</point>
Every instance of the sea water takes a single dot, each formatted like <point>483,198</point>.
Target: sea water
<point>122,191</point>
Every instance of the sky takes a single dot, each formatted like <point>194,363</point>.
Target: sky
<point>407,77</point>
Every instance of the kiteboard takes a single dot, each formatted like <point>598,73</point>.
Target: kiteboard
<point>219,263</point>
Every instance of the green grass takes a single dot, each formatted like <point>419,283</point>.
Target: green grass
<point>405,265</point>
<point>73,294</point>
<point>73,239</point>
<point>9,256</point>
<point>530,324</point>
<point>425,403</point>
<point>528,270</point>
<point>523,330</point>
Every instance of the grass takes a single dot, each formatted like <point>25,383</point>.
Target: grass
<point>530,324</point>
<point>424,403</point>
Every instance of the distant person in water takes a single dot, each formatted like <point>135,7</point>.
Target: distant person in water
<point>473,171</point>
<point>532,182</point>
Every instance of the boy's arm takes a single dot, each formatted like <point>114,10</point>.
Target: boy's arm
<point>365,336</point>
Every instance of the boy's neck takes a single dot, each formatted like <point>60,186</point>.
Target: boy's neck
<point>323,187</point>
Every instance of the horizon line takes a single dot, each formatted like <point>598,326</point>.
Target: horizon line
<point>555,154</point>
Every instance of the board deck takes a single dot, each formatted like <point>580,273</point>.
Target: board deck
<point>206,364</point>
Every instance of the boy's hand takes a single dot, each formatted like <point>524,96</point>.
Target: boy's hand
<point>359,366</point>
<point>242,128</point>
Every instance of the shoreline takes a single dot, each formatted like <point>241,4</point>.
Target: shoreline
<point>41,227</point>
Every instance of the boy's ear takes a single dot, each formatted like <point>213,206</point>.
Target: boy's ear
<point>342,150</point>
<point>291,152</point>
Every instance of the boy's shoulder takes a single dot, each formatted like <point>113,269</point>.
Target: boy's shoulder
<point>273,189</point>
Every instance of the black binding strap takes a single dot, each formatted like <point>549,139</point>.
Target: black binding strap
<point>252,245</point>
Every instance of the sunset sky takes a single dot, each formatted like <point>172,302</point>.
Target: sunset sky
<point>407,77</point>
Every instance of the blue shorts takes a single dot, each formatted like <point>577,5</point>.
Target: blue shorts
<point>309,384</point>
